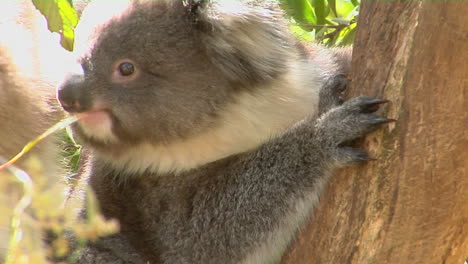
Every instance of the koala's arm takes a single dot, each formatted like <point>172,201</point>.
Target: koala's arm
<point>250,209</point>
<point>243,209</point>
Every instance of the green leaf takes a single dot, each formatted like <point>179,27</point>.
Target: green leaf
<point>302,34</point>
<point>301,11</point>
<point>332,5</point>
<point>320,32</point>
<point>347,36</point>
<point>344,8</point>
<point>321,11</point>
<point>354,13</point>
<point>344,20</point>
<point>61,18</point>
<point>355,2</point>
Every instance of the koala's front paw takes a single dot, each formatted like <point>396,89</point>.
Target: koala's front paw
<point>331,93</point>
<point>352,120</point>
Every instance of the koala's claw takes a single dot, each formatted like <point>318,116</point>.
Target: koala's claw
<point>371,105</point>
<point>380,120</point>
<point>354,119</point>
<point>364,157</point>
<point>346,156</point>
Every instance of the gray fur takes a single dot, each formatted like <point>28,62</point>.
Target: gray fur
<point>204,67</point>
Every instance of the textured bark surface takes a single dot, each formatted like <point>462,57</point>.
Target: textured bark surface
<point>410,206</point>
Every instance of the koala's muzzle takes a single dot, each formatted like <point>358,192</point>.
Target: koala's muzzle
<point>72,94</point>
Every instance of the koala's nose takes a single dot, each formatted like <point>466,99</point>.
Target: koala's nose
<point>72,95</point>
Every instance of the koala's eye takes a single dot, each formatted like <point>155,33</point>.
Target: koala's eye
<point>124,71</point>
<point>126,68</point>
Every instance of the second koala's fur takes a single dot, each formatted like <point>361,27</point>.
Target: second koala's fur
<point>30,61</point>
<point>203,122</point>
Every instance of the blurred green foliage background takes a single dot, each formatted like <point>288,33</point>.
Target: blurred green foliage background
<point>329,22</point>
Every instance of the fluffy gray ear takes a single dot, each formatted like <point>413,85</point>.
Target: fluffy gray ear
<point>248,42</point>
<point>194,5</point>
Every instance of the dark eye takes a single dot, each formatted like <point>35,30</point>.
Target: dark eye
<point>126,69</point>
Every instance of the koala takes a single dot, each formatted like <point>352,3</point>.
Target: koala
<point>211,129</point>
<point>29,58</point>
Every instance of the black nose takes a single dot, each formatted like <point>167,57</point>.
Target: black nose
<point>72,95</point>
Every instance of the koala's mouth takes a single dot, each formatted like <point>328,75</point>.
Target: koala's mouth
<point>97,124</point>
<point>93,118</point>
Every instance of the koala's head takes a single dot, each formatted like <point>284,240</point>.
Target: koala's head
<point>162,71</point>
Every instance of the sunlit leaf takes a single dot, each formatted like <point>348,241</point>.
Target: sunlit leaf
<point>302,34</point>
<point>354,13</point>
<point>344,8</point>
<point>301,11</point>
<point>347,36</point>
<point>61,18</point>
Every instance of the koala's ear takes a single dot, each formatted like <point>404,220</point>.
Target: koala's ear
<point>193,6</point>
<point>249,43</point>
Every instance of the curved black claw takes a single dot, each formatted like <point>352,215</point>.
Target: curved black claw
<point>371,105</point>
<point>347,156</point>
<point>381,120</point>
<point>362,156</point>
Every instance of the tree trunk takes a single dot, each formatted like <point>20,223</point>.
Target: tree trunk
<point>411,205</point>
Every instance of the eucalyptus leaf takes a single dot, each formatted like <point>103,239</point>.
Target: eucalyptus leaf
<point>347,36</point>
<point>61,18</point>
<point>355,2</point>
<point>301,11</point>
<point>344,8</point>
<point>332,5</point>
<point>321,11</point>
